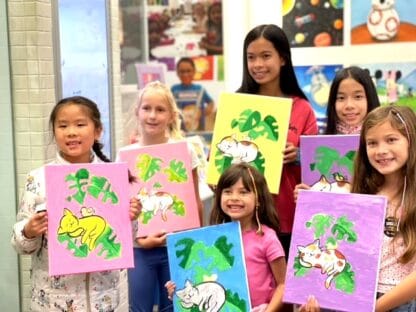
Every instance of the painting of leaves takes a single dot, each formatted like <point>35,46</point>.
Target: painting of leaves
<point>210,258</point>
<point>164,185</point>
<point>327,161</point>
<point>253,129</point>
<point>335,251</point>
<point>88,224</point>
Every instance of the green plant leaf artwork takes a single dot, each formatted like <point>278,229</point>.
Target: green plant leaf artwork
<point>176,172</point>
<point>147,166</point>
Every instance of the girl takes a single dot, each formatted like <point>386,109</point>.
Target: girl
<point>242,195</point>
<point>386,165</point>
<point>351,97</point>
<point>158,123</point>
<point>268,70</point>
<point>212,41</point>
<point>76,127</point>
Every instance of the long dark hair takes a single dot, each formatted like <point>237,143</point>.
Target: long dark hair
<point>288,81</point>
<point>253,181</point>
<point>362,76</point>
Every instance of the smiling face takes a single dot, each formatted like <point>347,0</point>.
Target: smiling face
<point>387,149</point>
<point>351,102</point>
<point>186,72</point>
<point>154,116</point>
<point>264,62</point>
<point>75,133</point>
<point>239,204</point>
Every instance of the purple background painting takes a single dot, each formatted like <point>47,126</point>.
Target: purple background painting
<point>363,255</point>
<point>340,143</point>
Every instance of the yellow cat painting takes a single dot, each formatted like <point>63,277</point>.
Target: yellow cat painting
<point>88,227</point>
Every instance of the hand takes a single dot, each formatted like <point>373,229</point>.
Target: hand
<point>298,187</point>
<point>135,208</point>
<point>311,305</point>
<point>37,225</point>
<point>170,287</point>
<point>290,153</point>
<point>153,240</point>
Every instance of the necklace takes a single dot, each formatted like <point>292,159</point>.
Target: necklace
<point>392,222</point>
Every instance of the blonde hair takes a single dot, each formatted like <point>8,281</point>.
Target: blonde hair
<point>367,180</point>
<point>159,88</point>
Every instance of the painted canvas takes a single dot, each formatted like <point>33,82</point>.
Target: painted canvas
<point>253,129</point>
<point>313,23</point>
<point>395,82</point>
<point>149,72</point>
<point>382,21</point>
<point>315,81</point>
<point>164,185</point>
<point>337,227</point>
<point>207,265</point>
<point>89,227</point>
<point>327,161</point>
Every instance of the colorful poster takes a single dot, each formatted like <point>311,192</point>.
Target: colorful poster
<point>382,21</point>
<point>327,161</point>
<point>253,129</point>
<point>164,185</point>
<point>395,83</point>
<point>315,82</point>
<point>335,250</point>
<point>89,227</point>
<point>207,265</point>
<point>313,23</point>
<point>149,72</point>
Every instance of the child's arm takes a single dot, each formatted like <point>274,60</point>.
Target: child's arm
<point>135,208</point>
<point>278,267</point>
<point>152,240</point>
<point>402,293</point>
<point>170,287</point>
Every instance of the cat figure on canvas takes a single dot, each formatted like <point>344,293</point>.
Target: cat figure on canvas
<point>207,296</point>
<point>240,151</point>
<point>340,185</point>
<point>330,261</point>
<point>155,202</point>
<point>89,227</point>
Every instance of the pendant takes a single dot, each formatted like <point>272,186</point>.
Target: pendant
<point>391,226</point>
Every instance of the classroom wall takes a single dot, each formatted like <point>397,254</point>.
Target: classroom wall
<point>9,274</point>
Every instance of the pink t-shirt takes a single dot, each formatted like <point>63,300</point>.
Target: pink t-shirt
<point>259,251</point>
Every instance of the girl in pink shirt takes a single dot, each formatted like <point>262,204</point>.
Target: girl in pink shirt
<point>242,195</point>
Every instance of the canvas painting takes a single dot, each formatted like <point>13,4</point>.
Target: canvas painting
<point>149,72</point>
<point>313,23</point>
<point>207,265</point>
<point>165,187</point>
<point>89,227</point>
<point>395,82</point>
<point>252,129</point>
<point>327,161</point>
<point>315,81</point>
<point>382,21</point>
<point>335,250</point>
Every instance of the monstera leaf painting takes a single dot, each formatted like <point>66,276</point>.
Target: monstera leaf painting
<point>164,185</point>
<point>207,266</point>
<point>253,129</point>
<point>335,250</point>
<point>88,218</point>
<point>327,161</point>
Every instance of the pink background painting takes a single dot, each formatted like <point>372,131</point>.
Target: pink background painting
<point>116,251</point>
<point>176,217</point>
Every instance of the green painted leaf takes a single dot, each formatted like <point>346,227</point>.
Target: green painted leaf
<point>147,166</point>
<point>343,229</point>
<point>225,248</point>
<point>185,252</point>
<point>176,171</point>
<point>320,223</point>
<point>345,281</point>
<point>298,269</point>
<point>79,252</point>
<point>325,157</point>
<point>178,206</point>
<point>110,248</point>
